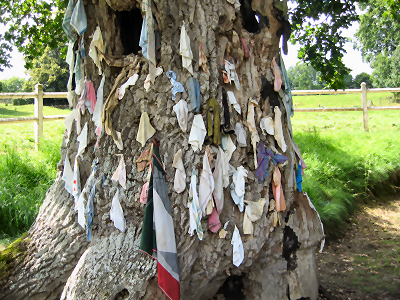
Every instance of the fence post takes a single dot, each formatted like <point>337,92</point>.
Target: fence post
<point>38,107</point>
<point>364,105</point>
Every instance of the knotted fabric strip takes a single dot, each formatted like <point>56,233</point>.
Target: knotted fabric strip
<point>263,163</point>
<point>251,124</point>
<point>66,24</point>
<point>277,158</point>
<point>206,185</point>
<point>213,129</point>
<point>194,208</point>
<point>185,50</point>
<point>203,59</point>
<point>193,87</point>
<point>177,87</point>
<point>277,74</point>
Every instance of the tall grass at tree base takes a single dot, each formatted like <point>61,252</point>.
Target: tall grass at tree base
<point>344,163</point>
<point>25,177</point>
<point>25,174</point>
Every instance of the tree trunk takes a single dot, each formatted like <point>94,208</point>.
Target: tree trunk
<point>279,262</point>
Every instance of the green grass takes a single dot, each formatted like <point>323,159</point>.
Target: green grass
<point>11,111</point>
<point>21,136</point>
<point>344,162</point>
<point>25,175</point>
<point>342,100</point>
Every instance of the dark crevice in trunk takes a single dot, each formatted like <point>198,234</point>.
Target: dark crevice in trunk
<point>289,212</point>
<point>122,295</point>
<point>290,246</point>
<point>130,25</point>
<point>253,21</point>
<point>267,91</point>
<point>232,289</point>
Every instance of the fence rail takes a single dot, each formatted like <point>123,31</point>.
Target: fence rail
<point>30,119</point>
<point>364,107</point>
<point>60,95</point>
<point>324,109</point>
<point>38,96</point>
<point>352,91</point>
<point>38,118</point>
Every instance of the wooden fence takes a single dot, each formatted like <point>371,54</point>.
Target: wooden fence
<point>38,118</point>
<point>38,95</point>
<point>364,106</point>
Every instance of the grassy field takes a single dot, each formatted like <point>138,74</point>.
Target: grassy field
<point>25,175</point>
<point>343,100</point>
<point>11,111</point>
<point>345,162</point>
<point>21,136</point>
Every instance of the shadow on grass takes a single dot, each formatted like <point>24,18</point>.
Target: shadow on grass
<point>329,179</point>
<point>11,113</point>
<point>335,179</point>
<point>364,262</point>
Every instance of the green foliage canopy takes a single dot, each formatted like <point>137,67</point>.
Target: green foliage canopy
<point>33,25</point>
<point>379,31</point>
<point>317,26</point>
<point>378,38</point>
<point>5,53</point>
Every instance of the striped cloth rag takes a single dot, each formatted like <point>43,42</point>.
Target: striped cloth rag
<point>158,236</point>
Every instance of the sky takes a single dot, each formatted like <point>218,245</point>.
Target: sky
<point>352,58</point>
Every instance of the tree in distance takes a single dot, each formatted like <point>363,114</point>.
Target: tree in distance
<point>378,38</point>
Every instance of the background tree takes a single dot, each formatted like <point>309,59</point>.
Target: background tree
<point>378,38</point>
<point>386,71</point>
<point>348,80</point>
<point>379,32</point>
<point>51,70</point>
<point>362,77</point>
<point>304,77</point>
<point>55,259</point>
<point>395,63</point>
<point>14,85</point>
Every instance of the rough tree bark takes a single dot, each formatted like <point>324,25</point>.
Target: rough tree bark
<point>279,261</point>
